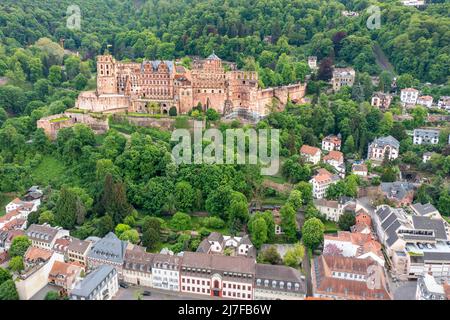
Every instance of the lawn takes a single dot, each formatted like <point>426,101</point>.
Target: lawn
<point>49,169</point>
<point>331,226</point>
<point>59,119</point>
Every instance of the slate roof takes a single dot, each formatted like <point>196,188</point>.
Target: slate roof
<point>279,273</point>
<point>397,189</point>
<point>236,264</point>
<point>386,141</point>
<point>423,209</point>
<point>78,245</point>
<point>436,256</point>
<point>426,223</point>
<point>41,233</point>
<point>155,64</point>
<point>109,248</point>
<point>93,280</point>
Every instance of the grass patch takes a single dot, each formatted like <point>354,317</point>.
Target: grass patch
<point>274,201</point>
<point>277,179</point>
<point>331,226</point>
<point>48,170</point>
<point>74,110</point>
<point>146,115</point>
<point>59,119</point>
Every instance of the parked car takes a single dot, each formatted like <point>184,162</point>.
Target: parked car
<point>124,285</point>
<point>146,293</point>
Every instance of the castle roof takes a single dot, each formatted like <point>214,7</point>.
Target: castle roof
<point>213,56</point>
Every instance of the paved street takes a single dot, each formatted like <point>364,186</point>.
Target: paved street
<point>404,290</point>
<point>131,294</point>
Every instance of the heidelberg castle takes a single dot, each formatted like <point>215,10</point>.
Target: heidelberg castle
<point>134,87</point>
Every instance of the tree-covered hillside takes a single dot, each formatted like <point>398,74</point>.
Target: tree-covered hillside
<point>416,41</point>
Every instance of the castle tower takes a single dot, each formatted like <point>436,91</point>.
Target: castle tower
<point>106,75</point>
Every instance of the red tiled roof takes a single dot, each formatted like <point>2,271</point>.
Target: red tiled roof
<point>305,149</point>
<point>334,155</point>
<point>34,253</point>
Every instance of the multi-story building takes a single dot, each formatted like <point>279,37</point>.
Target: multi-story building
<point>336,160</point>
<point>108,250</point>
<point>348,278</point>
<point>321,181</point>
<point>278,283</point>
<point>381,100</point>
<point>64,275</point>
<point>399,193</point>
<point>310,154</point>
<point>166,272</point>
<point>426,136</point>
<point>333,209</point>
<point>312,62</point>
<point>409,96</point>
<point>44,236</point>
<point>78,250</point>
<point>360,169</point>
<point>138,87</point>
<point>332,142</point>
<point>426,210</point>
<point>414,243</point>
<point>352,244</point>
<point>217,243</point>
<point>137,268</point>
<point>426,101</point>
<point>100,284</point>
<point>383,148</point>
<point>444,102</point>
<point>430,288</point>
<point>218,276</point>
<point>342,77</point>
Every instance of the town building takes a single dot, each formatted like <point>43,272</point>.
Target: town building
<point>413,3</point>
<point>108,250</point>
<point>360,169</point>
<point>100,284</point>
<point>166,272</point>
<point>348,278</point>
<point>218,243</point>
<point>334,209</point>
<point>381,100</point>
<point>7,236</point>
<point>383,147</point>
<point>351,244</point>
<point>430,288</point>
<point>399,193</point>
<point>218,276</point>
<point>64,275</point>
<point>342,77</point>
<point>425,210</point>
<point>444,102</point>
<point>336,160</point>
<point>38,263</point>
<point>409,96</point>
<point>426,136</point>
<point>78,250</point>
<point>321,181</point>
<point>427,156</point>
<point>137,268</point>
<point>310,154</point>
<point>414,243</point>
<point>332,142</point>
<point>278,283</point>
<point>426,101</point>
<point>136,87</point>
<point>312,63</point>
<point>44,236</point>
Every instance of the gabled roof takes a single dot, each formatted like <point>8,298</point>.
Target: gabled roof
<point>426,223</point>
<point>312,151</point>
<point>93,280</point>
<point>109,248</point>
<point>423,209</point>
<point>386,141</point>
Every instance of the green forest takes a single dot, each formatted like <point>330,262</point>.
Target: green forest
<point>97,183</point>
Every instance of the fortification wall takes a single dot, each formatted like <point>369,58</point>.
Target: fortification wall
<point>107,103</point>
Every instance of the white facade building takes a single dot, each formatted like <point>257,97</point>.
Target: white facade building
<point>409,96</point>
<point>426,136</point>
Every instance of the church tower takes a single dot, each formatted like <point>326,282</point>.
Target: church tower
<point>106,75</point>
